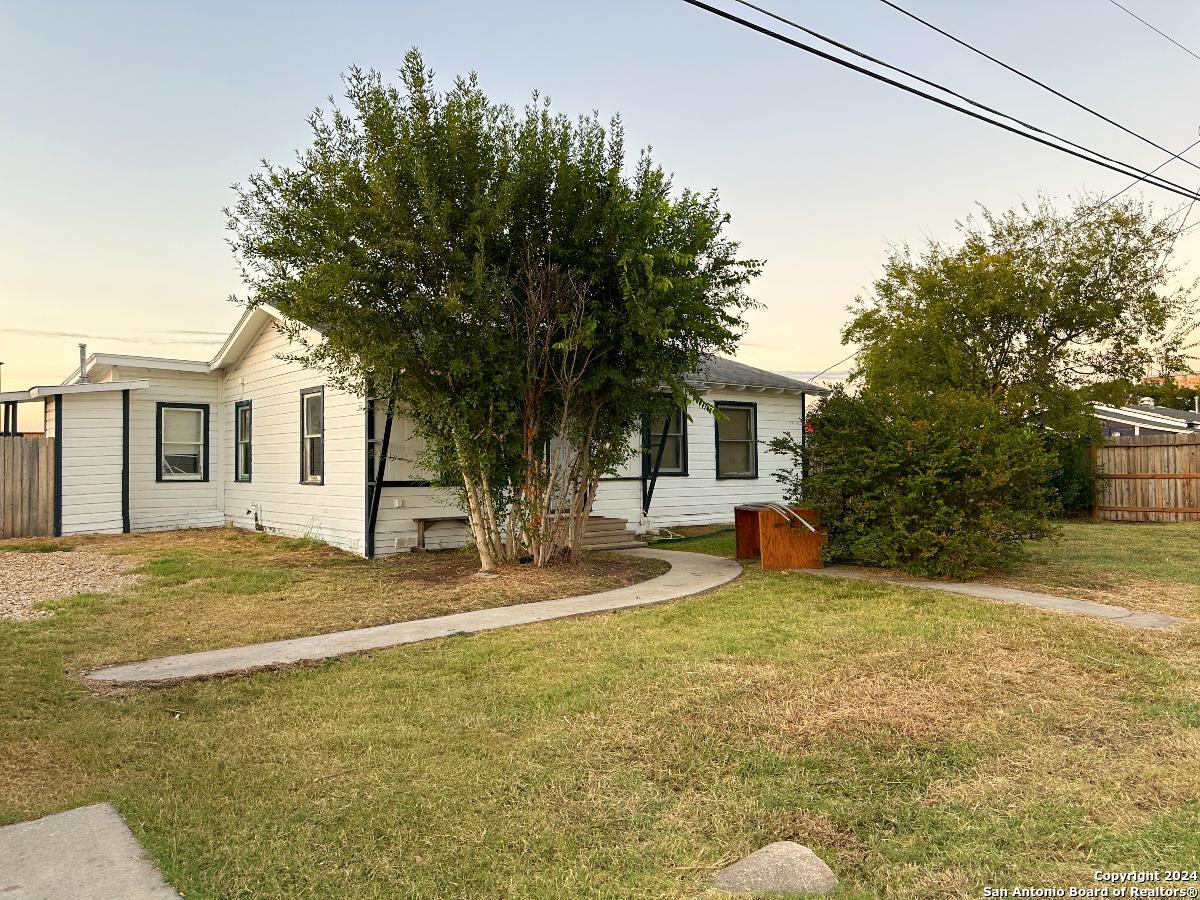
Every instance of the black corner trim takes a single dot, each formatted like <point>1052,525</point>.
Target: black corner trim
<point>737,404</point>
<point>319,389</point>
<point>58,438</point>
<point>237,420</point>
<point>125,461</point>
<point>158,411</point>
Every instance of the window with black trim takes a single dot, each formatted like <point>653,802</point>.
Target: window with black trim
<point>312,436</point>
<point>673,443</point>
<point>243,425</point>
<point>737,440</point>
<point>182,441</point>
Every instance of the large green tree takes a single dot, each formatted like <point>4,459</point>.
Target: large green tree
<point>1027,306</point>
<point>500,277</point>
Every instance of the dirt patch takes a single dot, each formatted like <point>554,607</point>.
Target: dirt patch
<point>26,578</point>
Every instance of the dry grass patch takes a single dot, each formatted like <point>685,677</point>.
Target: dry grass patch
<point>207,588</point>
<point>925,744</point>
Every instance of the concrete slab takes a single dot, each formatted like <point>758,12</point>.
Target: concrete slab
<point>1117,614</point>
<point>690,573</point>
<point>82,854</point>
<point>783,867</point>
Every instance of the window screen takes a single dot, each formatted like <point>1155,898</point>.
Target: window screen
<point>181,443</point>
<point>242,425</point>
<point>312,437</point>
<point>674,444</point>
<point>737,455</point>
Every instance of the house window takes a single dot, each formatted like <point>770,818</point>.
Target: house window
<point>737,440</point>
<point>312,436</point>
<point>673,443</point>
<point>242,425</point>
<point>182,442</point>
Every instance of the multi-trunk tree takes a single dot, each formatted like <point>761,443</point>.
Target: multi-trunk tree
<point>502,278</point>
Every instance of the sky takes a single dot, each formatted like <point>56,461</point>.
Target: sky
<point>123,126</point>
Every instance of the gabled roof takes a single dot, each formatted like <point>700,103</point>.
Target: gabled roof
<point>244,333</point>
<point>717,371</point>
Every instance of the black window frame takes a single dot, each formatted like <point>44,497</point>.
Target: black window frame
<point>651,431</point>
<point>304,479</point>
<point>248,476</point>
<point>158,442</point>
<point>737,404</point>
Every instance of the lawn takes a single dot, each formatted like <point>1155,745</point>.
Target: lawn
<point>925,744</point>
<point>209,588</point>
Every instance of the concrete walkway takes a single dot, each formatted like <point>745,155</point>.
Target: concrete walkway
<point>1118,614</point>
<point>690,573</point>
<point>84,854</point>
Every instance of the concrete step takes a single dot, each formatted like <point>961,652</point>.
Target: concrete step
<point>613,545</point>
<point>621,528</point>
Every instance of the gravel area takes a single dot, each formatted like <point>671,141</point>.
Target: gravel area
<point>26,578</point>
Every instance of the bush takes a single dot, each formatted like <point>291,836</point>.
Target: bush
<point>942,487</point>
<point>1073,485</point>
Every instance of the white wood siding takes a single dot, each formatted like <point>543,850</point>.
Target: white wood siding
<point>163,505</point>
<point>91,462</point>
<point>334,511</point>
<point>700,498</point>
<point>395,530</point>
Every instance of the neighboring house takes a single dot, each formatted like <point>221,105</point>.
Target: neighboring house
<point>1145,418</point>
<point>258,441</point>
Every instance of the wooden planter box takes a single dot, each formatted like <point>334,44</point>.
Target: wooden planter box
<point>764,532</point>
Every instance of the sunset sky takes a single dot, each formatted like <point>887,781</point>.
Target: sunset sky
<point>124,125</point>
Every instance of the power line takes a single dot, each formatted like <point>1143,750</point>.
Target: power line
<point>1151,27</point>
<point>845,359</point>
<point>1121,167</point>
<point>1107,200</point>
<point>933,84</point>
<point>1031,79</point>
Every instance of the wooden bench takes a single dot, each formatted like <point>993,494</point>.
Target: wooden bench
<point>424,521</point>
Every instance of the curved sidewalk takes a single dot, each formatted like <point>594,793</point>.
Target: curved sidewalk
<point>1118,614</point>
<point>690,573</point>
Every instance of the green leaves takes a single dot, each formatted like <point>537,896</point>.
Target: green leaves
<point>1029,306</point>
<point>941,485</point>
<point>403,233</point>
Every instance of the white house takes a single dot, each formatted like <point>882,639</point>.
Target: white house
<point>256,441</point>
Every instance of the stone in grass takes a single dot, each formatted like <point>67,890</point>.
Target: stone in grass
<point>781,867</point>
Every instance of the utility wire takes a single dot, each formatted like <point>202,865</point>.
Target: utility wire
<point>1107,200</point>
<point>1031,79</point>
<point>845,359</point>
<point>1151,27</point>
<point>1121,167</point>
<point>933,84</point>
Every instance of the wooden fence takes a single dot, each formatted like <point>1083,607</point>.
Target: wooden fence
<point>26,486</point>
<point>1149,478</point>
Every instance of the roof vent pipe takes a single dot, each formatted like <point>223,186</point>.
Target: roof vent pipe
<point>83,363</point>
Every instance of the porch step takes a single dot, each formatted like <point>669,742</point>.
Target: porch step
<point>606,533</point>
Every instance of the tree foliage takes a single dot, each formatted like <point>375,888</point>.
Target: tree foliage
<point>1027,307</point>
<point>502,279</point>
<point>942,486</point>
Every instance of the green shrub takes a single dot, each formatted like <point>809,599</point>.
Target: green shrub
<point>938,486</point>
